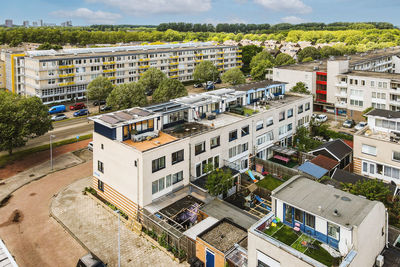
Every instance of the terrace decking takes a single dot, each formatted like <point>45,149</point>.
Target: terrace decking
<point>162,139</point>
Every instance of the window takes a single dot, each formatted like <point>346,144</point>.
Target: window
<point>100,185</point>
<point>100,166</point>
<point>259,125</point>
<point>289,127</point>
<point>288,213</point>
<point>161,184</point>
<point>281,116</point>
<point>177,156</point>
<point>168,180</point>
<point>369,150</point>
<point>245,130</point>
<point>198,170</point>
<point>216,162</point>
<point>158,164</point>
<point>290,113</point>
<point>215,142</point>
<point>102,146</point>
<point>396,155</point>
<point>300,109</point>
<point>154,187</point>
<point>177,177</point>
<point>307,106</point>
<point>199,148</point>
<point>298,215</point>
<point>365,167</point>
<point>333,231</point>
<point>310,220</point>
<point>232,135</point>
<point>270,121</point>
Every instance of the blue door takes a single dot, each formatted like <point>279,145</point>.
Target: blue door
<point>209,258</point>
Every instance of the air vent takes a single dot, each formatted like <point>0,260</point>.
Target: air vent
<point>345,198</point>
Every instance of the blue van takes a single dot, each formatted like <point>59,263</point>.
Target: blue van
<point>57,109</point>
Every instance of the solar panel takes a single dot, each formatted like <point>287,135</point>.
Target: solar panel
<point>110,119</point>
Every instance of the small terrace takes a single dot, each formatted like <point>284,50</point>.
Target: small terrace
<point>186,129</point>
<point>295,242</point>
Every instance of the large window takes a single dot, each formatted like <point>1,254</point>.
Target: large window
<point>396,156</point>
<point>333,231</point>
<point>300,109</point>
<point>307,106</point>
<point>199,148</point>
<point>158,164</point>
<point>281,116</point>
<point>290,113</point>
<point>214,142</point>
<point>232,135</point>
<point>310,220</point>
<point>245,130</point>
<point>270,121</point>
<point>100,166</point>
<point>288,214</point>
<point>100,185</point>
<point>298,215</point>
<point>177,156</point>
<point>158,185</point>
<point>367,149</point>
<point>177,177</point>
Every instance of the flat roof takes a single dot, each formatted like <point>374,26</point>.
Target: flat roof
<point>200,227</point>
<point>374,74</point>
<point>220,209</point>
<point>223,235</point>
<point>323,200</point>
<point>312,169</point>
<point>162,139</point>
<point>256,85</point>
<point>124,117</point>
<point>384,113</point>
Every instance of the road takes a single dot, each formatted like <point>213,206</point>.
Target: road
<point>62,130</point>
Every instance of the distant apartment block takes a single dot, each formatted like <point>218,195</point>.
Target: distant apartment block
<point>9,23</point>
<point>312,224</point>
<point>26,23</point>
<point>377,147</point>
<point>349,85</point>
<point>57,76</point>
<point>143,154</point>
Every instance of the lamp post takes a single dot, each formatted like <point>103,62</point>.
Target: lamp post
<point>51,151</point>
<point>119,240</point>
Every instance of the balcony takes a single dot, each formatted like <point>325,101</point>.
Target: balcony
<point>66,67</point>
<point>144,59</point>
<point>111,78</point>
<point>174,76</point>
<point>239,51</point>
<point>173,63</point>
<point>66,75</point>
<point>220,58</point>
<point>198,60</point>
<point>294,242</point>
<point>198,55</point>
<point>173,70</point>
<point>395,102</point>
<point>66,84</point>
<point>341,105</point>
<point>220,69</point>
<point>239,56</point>
<point>342,85</point>
<point>172,57</point>
<point>144,67</point>
<point>239,61</point>
<point>341,94</point>
<point>109,63</point>
<point>110,70</point>
<point>220,52</point>
<point>219,64</point>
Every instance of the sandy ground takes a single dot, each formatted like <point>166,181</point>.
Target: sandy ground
<point>32,236</point>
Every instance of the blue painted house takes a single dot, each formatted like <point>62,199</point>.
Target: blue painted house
<point>257,91</point>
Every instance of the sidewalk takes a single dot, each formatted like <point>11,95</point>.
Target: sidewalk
<point>10,185</point>
<point>97,229</point>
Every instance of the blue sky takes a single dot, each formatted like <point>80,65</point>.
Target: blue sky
<point>86,12</point>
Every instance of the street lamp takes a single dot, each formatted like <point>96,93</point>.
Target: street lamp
<point>119,241</point>
<point>51,151</point>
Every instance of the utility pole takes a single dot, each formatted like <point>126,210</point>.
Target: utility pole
<point>119,240</point>
<point>51,151</point>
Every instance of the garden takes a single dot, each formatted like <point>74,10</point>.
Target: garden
<point>270,182</point>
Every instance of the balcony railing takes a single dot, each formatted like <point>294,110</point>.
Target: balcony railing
<point>111,70</point>
<point>109,63</point>
<point>66,75</point>
<point>342,84</point>
<point>66,84</point>
<point>66,67</point>
<point>144,59</point>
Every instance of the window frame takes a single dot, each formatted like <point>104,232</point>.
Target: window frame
<point>198,152</point>
<point>178,158</point>
<point>158,167</point>
<point>100,166</point>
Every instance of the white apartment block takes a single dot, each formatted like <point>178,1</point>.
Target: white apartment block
<point>349,85</point>
<point>377,147</point>
<point>57,76</point>
<point>143,154</point>
<point>352,230</point>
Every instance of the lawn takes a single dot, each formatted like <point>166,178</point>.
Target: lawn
<point>286,235</point>
<point>298,246</point>
<point>269,182</point>
<point>273,229</point>
<point>249,111</point>
<point>321,255</point>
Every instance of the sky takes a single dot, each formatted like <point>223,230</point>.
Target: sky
<point>153,12</point>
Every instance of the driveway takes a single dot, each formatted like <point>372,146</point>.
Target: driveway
<point>32,236</point>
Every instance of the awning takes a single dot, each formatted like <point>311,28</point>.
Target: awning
<point>312,169</point>
<point>286,160</point>
<point>284,150</point>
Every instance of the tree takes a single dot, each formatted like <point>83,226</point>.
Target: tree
<point>151,79</point>
<point>99,89</point>
<point>127,95</point>
<point>248,52</point>
<point>261,57</point>
<point>303,140</point>
<point>168,89</point>
<point>309,51</point>
<point>301,88</point>
<point>307,59</point>
<point>372,189</point>
<point>233,76</point>
<point>284,59</point>
<point>47,46</point>
<point>259,71</point>
<point>21,118</point>
<point>205,71</point>
<point>219,181</point>
<point>328,51</point>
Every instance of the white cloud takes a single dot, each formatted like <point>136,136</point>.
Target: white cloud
<point>145,7</point>
<point>292,20</point>
<point>293,6</point>
<point>88,15</point>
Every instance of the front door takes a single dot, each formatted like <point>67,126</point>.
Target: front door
<point>210,258</point>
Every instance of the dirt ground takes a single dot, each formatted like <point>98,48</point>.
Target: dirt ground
<point>39,157</point>
<point>32,236</point>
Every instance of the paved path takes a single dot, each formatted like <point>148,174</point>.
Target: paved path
<point>98,230</point>
<point>32,236</point>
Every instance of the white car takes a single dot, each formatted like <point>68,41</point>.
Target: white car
<point>59,117</point>
<point>90,146</point>
<point>360,125</point>
<point>321,118</point>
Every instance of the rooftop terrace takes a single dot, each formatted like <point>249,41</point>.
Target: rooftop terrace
<point>162,139</point>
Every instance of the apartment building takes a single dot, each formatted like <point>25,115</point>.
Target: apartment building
<point>312,224</point>
<point>2,74</point>
<point>377,147</point>
<point>348,85</point>
<point>61,75</point>
<point>143,154</point>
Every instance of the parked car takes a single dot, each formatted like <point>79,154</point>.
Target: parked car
<point>105,108</point>
<point>57,109</point>
<point>348,123</point>
<point>321,118</point>
<point>59,117</point>
<point>210,87</point>
<point>90,146</point>
<point>90,260</point>
<point>99,103</point>
<point>197,85</point>
<point>77,106</point>
<point>218,80</point>
<point>81,112</point>
<point>360,125</point>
